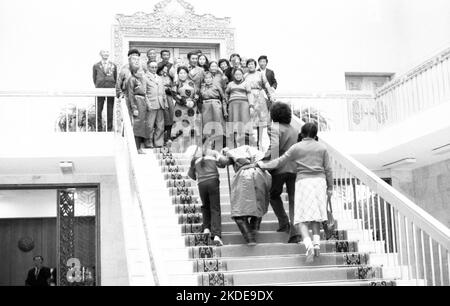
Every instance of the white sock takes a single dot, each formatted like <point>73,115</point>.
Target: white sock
<point>307,241</point>
<point>316,239</point>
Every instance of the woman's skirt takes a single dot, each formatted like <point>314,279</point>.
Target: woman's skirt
<point>213,118</point>
<point>261,117</point>
<point>169,112</point>
<point>239,116</point>
<point>310,200</point>
<point>185,120</point>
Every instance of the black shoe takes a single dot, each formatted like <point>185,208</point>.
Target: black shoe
<point>246,231</point>
<point>295,239</point>
<point>284,229</point>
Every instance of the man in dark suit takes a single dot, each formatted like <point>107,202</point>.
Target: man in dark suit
<point>263,61</point>
<point>105,76</point>
<point>38,276</point>
<point>282,137</point>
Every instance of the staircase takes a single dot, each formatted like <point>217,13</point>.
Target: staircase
<point>382,238</point>
<point>346,259</point>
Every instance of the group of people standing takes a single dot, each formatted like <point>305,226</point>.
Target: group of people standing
<point>172,101</point>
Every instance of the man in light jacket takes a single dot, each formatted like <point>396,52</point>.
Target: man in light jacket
<point>157,103</point>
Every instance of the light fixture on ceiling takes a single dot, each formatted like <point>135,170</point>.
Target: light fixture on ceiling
<point>441,150</point>
<point>66,167</point>
<point>401,162</point>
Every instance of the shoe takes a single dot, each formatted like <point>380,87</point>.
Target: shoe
<point>317,250</point>
<point>246,232</point>
<point>149,145</point>
<point>284,229</point>
<point>206,231</point>
<point>309,254</point>
<point>217,241</point>
<point>294,239</point>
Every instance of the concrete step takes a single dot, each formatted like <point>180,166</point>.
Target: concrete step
<point>295,275</point>
<point>272,262</point>
<point>260,250</point>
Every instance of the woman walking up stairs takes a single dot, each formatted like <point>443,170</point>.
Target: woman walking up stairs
<point>314,184</point>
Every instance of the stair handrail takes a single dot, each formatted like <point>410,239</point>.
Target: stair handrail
<point>430,225</point>
<point>408,213</point>
<point>128,136</point>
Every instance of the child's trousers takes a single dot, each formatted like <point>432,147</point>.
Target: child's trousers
<point>210,196</point>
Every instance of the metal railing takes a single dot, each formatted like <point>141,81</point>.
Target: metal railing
<point>59,111</point>
<point>337,111</point>
<point>411,238</point>
<point>421,88</point>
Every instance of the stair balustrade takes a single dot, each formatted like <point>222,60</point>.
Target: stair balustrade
<point>411,238</point>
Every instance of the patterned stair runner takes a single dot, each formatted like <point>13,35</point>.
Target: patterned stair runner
<point>273,261</point>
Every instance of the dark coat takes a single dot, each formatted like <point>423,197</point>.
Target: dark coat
<point>136,90</point>
<point>271,78</point>
<point>41,280</point>
<point>282,138</point>
<point>104,77</point>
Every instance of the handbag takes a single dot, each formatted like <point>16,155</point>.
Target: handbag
<point>329,226</point>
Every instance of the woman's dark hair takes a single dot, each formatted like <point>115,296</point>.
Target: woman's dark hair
<point>251,60</point>
<point>281,113</point>
<point>309,130</point>
<point>263,57</point>
<point>182,68</point>
<point>238,69</point>
<point>206,65</point>
<point>234,55</point>
<point>161,68</point>
<point>224,60</point>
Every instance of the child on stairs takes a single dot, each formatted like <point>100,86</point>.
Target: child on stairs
<point>204,169</point>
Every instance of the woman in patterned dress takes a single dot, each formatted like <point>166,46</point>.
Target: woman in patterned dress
<point>185,94</point>
<point>214,109</point>
<point>241,108</point>
<point>259,84</point>
<point>163,71</point>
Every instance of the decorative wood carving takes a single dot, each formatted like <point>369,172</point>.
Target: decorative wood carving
<point>171,19</point>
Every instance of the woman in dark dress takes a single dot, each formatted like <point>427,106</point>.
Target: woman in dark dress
<point>163,71</point>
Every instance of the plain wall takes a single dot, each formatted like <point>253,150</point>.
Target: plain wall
<point>428,187</point>
<point>310,44</point>
<point>113,259</point>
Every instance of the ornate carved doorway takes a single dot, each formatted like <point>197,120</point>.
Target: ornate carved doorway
<point>177,50</point>
<point>175,26</point>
